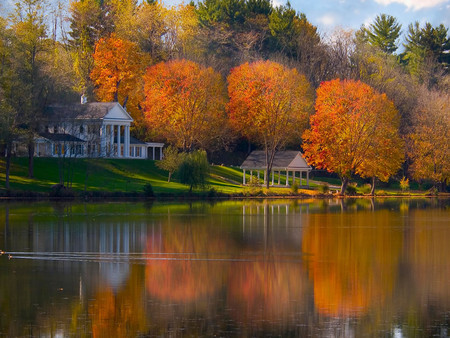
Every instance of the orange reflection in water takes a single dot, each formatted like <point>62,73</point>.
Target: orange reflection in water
<point>354,260</point>
<point>188,268</point>
<point>121,313</point>
<point>267,289</point>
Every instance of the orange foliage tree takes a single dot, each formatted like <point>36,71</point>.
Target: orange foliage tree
<point>117,73</point>
<point>185,103</point>
<point>354,131</point>
<point>269,104</point>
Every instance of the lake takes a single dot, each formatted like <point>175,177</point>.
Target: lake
<point>320,268</point>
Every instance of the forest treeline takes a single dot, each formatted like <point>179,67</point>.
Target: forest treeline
<point>194,62</point>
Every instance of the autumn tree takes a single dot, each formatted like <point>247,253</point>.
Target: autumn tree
<point>118,69</point>
<point>354,130</point>
<point>429,140</point>
<point>269,104</point>
<point>171,161</point>
<point>185,104</point>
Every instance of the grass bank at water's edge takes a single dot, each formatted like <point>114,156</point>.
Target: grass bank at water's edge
<point>127,176</point>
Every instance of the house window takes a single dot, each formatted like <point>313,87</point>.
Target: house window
<point>138,151</point>
<point>132,151</point>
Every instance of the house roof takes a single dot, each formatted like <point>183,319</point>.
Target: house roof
<point>61,137</point>
<point>92,110</point>
<point>283,160</point>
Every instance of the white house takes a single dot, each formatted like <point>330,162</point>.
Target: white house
<point>98,129</point>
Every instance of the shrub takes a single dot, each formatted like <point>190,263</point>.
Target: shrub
<point>294,188</point>
<point>325,189</point>
<point>194,170</point>
<point>60,190</point>
<point>366,188</point>
<point>351,190</point>
<point>404,184</point>
<point>148,190</point>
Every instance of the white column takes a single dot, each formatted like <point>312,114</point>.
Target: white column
<point>126,150</point>
<point>301,176</point>
<point>273,177</point>
<point>287,177</point>
<point>161,156</point>
<point>279,176</point>
<point>103,141</point>
<point>118,141</point>
<point>243,178</point>
<point>37,149</point>
<point>153,149</point>
<point>258,176</point>
<point>307,178</point>
<point>111,141</point>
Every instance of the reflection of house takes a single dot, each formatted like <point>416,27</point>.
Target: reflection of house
<point>99,129</point>
<point>284,161</point>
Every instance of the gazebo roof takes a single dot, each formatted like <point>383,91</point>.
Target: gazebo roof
<point>283,160</point>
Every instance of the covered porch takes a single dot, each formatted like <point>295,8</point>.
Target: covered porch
<point>289,167</point>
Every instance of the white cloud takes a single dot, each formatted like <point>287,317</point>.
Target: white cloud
<point>414,4</point>
<point>328,20</point>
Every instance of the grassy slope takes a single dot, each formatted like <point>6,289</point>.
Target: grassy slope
<point>128,175</point>
<point>108,175</point>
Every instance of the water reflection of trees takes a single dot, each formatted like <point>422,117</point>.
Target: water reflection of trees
<point>354,261</point>
<point>366,269</point>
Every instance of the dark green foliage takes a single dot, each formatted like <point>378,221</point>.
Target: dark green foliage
<point>194,170</point>
<point>426,44</point>
<point>148,190</point>
<point>383,33</point>
<point>350,190</point>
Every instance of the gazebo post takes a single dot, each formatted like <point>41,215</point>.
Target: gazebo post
<point>258,176</point>
<point>279,176</point>
<point>287,177</point>
<point>307,179</point>
<point>265,177</point>
<point>273,177</point>
<point>301,174</point>
<point>243,178</point>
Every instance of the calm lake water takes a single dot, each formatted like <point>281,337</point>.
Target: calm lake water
<point>320,268</point>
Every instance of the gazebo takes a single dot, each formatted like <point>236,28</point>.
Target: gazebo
<point>289,161</point>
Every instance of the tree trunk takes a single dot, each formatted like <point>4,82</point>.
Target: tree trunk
<point>344,185</point>
<point>8,164</point>
<point>372,190</point>
<point>31,159</point>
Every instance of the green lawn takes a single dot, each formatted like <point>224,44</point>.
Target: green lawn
<point>122,175</point>
<point>108,175</point>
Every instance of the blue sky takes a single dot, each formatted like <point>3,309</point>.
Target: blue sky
<point>328,14</point>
